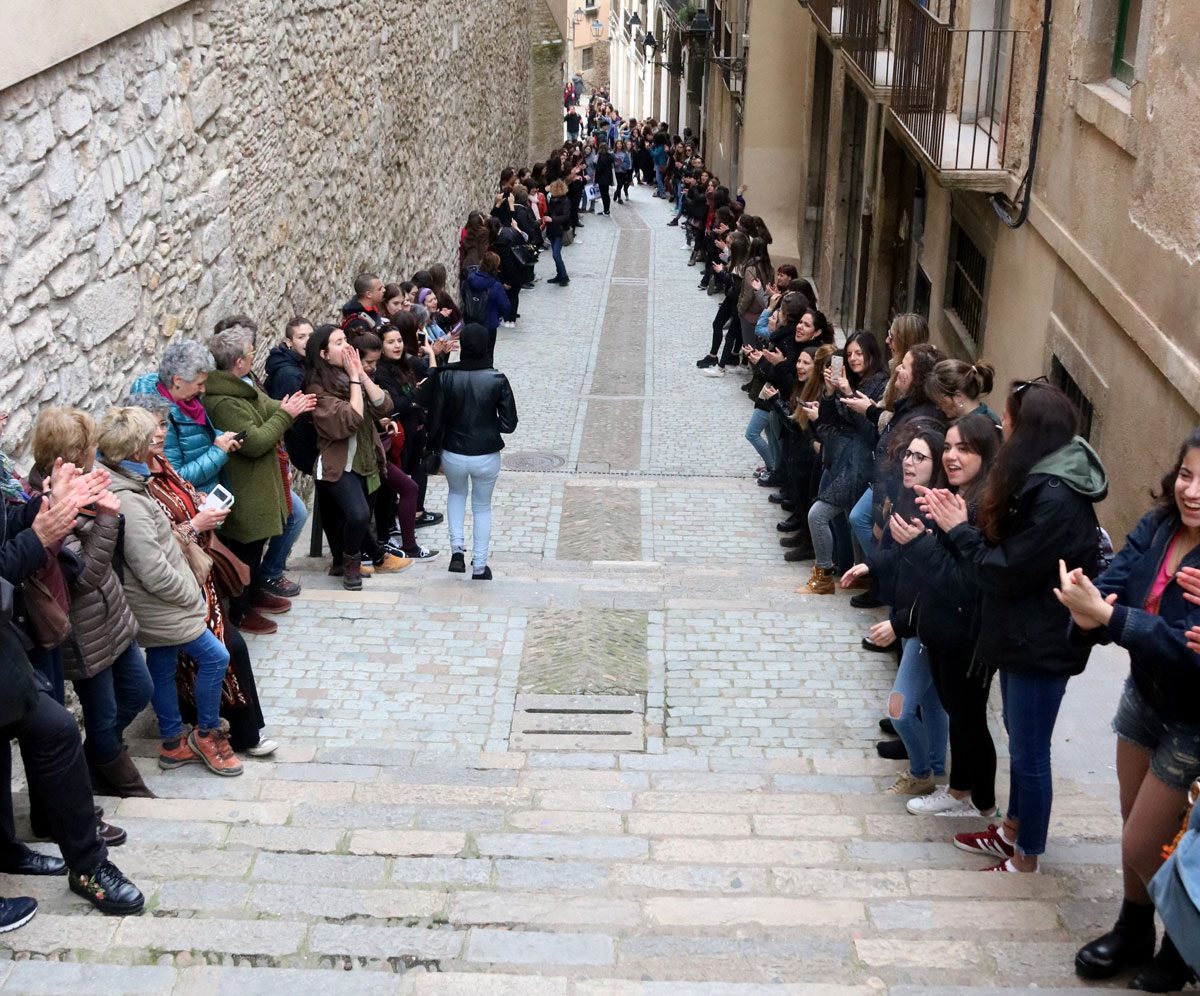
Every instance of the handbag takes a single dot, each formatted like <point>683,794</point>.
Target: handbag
<point>1175,887</point>
<point>592,191</point>
<point>199,561</point>
<point>229,573</point>
<point>47,620</point>
<point>568,235</point>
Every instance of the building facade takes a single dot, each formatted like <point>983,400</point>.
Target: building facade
<point>164,163</point>
<point>1022,172</point>
<point>588,42</point>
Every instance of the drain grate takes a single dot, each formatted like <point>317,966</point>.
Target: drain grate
<point>532,460</point>
<point>579,722</point>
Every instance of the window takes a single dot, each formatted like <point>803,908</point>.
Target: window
<point>1066,383</point>
<point>968,269</point>
<point>1129,16</point>
<point>587,58</point>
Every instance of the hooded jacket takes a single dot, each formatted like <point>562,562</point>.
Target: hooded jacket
<point>189,446</point>
<point>285,372</point>
<point>472,402</point>
<point>161,589</point>
<point>102,624</point>
<point>498,303</point>
<point>254,471</point>
<point>1023,627</point>
<point>354,308</point>
<point>1163,670</point>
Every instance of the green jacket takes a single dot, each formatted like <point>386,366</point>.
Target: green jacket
<point>255,472</point>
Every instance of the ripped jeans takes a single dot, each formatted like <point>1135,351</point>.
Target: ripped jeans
<point>924,738</point>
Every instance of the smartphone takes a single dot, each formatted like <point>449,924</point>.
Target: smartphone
<point>218,498</point>
<point>240,436</point>
<point>836,367</point>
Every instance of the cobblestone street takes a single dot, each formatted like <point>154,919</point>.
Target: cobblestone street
<point>397,842</point>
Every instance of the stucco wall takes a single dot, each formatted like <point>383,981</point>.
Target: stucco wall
<point>240,155</point>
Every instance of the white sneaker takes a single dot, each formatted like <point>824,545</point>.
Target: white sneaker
<point>509,325</point>
<point>941,803</point>
<point>264,748</point>
<point>713,371</point>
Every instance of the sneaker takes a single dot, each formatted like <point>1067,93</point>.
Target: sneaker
<point>264,748</point>
<point>108,890</point>
<point>421,553</point>
<point>910,784</point>
<point>706,361</point>
<point>458,563</point>
<point>989,841</point>
<point>892,750</point>
<point>391,564</point>
<point>714,371</point>
<point>1007,866</point>
<point>939,802</point>
<point>214,750</point>
<point>16,912</point>
<point>429,519</point>
<point>177,756</point>
<point>508,325</point>
<point>281,586</point>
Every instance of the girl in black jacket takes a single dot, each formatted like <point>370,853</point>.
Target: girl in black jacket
<point>1037,509</point>
<point>947,623</point>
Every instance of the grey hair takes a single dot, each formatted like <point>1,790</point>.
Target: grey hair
<point>156,404</point>
<point>420,313</point>
<point>183,358</point>
<point>230,345</point>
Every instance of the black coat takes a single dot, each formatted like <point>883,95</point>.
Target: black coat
<point>948,599</point>
<point>472,404</point>
<point>559,210</point>
<point>1023,628</point>
<point>21,552</point>
<point>604,170</point>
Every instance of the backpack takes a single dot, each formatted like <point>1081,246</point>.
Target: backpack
<point>475,302</point>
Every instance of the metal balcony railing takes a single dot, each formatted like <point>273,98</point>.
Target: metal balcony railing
<point>867,31</point>
<point>828,13</point>
<point>951,87</point>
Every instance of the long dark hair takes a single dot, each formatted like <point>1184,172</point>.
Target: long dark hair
<point>317,369</point>
<point>872,356</point>
<point>931,434</point>
<point>926,357</point>
<point>980,435</point>
<point>1043,420</point>
<point>1166,489</point>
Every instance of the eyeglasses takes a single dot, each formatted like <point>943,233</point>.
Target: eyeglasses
<point>912,456</point>
<point>1021,385</point>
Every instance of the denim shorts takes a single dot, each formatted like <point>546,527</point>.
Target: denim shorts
<point>1174,746</point>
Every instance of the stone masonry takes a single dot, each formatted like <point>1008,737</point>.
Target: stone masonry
<point>247,155</point>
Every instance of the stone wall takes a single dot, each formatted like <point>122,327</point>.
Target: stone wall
<point>546,83</point>
<point>240,155</point>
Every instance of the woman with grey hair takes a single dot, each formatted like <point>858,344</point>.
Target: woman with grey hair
<point>194,448</point>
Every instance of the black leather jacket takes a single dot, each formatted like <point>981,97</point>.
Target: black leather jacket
<point>470,409</point>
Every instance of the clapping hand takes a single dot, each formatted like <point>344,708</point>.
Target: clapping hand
<point>905,530</point>
<point>297,404</point>
<point>1089,609</point>
<point>944,509</point>
<point>859,402</point>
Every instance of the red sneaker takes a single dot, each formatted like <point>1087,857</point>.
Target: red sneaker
<point>990,841</point>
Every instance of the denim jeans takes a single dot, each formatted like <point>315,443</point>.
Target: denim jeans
<point>658,179</point>
<point>861,520</point>
<point>1031,704</point>
<point>479,473</point>
<point>213,658</point>
<point>924,738</point>
<point>275,559</point>
<point>111,701</point>
<point>775,439</point>
<point>560,271</point>
<point>755,431</point>
<point>821,516</point>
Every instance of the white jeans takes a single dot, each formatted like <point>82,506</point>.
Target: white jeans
<point>480,473</point>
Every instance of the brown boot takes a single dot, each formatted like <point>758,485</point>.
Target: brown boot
<point>821,583</point>
<point>124,777</point>
<point>352,572</point>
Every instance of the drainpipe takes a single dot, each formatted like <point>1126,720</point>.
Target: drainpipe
<point>1002,205</point>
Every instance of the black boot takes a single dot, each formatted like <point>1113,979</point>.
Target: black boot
<point>893,750</point>
<point>795,539</point>
<point>1167,973</point>
<point>792,523</point>
<point>800,553</point>
<point>1130,942</point>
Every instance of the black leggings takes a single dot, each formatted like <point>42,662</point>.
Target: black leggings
<point>604,195</point>
<point>726,313</point>
<point>349,493</point>
<point>965,698</point>
<point>623,181</point>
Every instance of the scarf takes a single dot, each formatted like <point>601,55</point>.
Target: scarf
<point>193,408</point>
<point>133,467</point>
<point>10,485</point>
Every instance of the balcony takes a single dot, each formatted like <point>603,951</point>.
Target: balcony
<point>868,33</point>
<point>951,93</point>
<point>828,15</point>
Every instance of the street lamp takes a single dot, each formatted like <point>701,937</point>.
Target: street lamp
<point>650,41</point>
<point>577,17</point>
<point>633,22</point>
<point>597,29</point>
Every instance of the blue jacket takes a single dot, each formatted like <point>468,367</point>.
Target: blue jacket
<point>189,446</point>
<point>1165,672</point>
<point>498,303</point>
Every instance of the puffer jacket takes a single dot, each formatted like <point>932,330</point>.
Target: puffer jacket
<point>160,587</point>
<point>472,403</point>
<point>102,624</point>
<point>189,446</point>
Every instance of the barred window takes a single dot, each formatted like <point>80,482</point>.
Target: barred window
<point>1066,383</point>
<point>968,268</point>
<point>587,59</point>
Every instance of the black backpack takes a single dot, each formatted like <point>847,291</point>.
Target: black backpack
<point>475,302</point>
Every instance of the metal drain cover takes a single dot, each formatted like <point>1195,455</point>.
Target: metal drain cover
<point>533,460</point>
<point>579,722</point>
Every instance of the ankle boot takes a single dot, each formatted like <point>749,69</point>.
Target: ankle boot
<point>126,781</point>
<point>802,551</point>
<point>792,523</point>
<point>352,572</point>
<point>795,539</point>
<point>1167,973</point>
<point>821,583</point>
<point>1130,942</point>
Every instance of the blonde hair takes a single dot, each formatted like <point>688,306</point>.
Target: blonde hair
<point>810,390</point>
<point>126,433</point>
<point>909,329</point>
<point>558,189</point>
<point>63,432</point>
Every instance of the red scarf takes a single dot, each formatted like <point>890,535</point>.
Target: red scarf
<point>192,408</point>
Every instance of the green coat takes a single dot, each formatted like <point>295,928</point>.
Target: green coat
<point>255,475</point>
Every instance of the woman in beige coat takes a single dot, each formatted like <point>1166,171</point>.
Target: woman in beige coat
<point>166,600</point>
